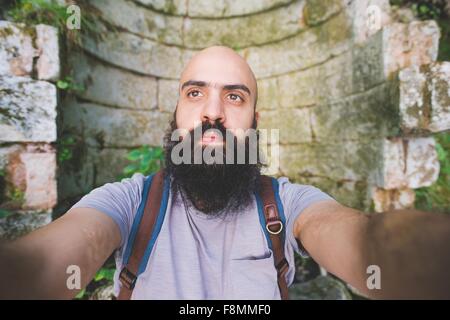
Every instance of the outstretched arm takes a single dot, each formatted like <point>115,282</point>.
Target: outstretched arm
<point>411,248</point>
<point>35,266</point>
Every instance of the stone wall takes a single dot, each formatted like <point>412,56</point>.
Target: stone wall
<point>29,61</point>
<point>355,97</point>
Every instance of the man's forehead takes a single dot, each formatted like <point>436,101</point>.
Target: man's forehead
<point>219,67</point>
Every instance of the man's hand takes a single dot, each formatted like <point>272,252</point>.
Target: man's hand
<point>35,266</point>
<point>411,248</point>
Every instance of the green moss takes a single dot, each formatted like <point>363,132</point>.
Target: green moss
<point>16,195</point>
<point>170,7</point>
<point>6,32</point>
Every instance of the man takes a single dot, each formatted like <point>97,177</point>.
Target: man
<point>211,245</point>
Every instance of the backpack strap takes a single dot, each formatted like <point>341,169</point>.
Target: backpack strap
<point>271,216</point>
<point>145,230</point>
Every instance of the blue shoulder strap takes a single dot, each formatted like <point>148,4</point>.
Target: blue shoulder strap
<point>273,221</point>
<point>262,219</point>
<point>138,218</point>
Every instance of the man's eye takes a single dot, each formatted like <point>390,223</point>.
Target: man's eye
<point>194,94</point>
<point>235,97</point>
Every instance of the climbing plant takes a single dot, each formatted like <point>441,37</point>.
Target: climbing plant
<point>145,160</point>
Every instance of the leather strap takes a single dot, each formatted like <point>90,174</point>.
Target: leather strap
<point>274,226</point>
<point>128,275</point>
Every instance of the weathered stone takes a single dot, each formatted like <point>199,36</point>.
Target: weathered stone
<point>112,127</point>
<point>372,114</point>
<point>269,92</point>
<point>439,89</point>
<point>320,288</point>
<point>354,194</point>
<point>299,89</point>
<point>317,11</point>
<point>293,124</point>
<point>327,82</point>
<point>425,97</point>
<point>240,32</point>
<point>231,8</point>
<point>168,95</point>
<point>404,45</point>
<point>16,49</point>
<point>116,160</point>
<point>350,160</point>
<point>138,54</point>
<point>19,224</point>
<point>412,105</point>
<point>29,175</point>
<point>139,20</point>
<point>47,65</point>
<point>367,63</point>
<point>76,176</point>
<point>113,86</point>
<point>394,47</point>
<point>313,46</point>
<point>393,175</point>
<point>208,9</point>
<point>27,110</point>
<point>422,163</point>
<point>369,16</point>
<point>386,200</point>
<point>197,33</point>
<point>171,7</point>
<point>409,163</point>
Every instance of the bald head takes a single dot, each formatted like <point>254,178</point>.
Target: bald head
<point>217,85</point>
<point>220,65</point>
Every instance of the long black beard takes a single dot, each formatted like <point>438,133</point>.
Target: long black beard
<point>214,189</point>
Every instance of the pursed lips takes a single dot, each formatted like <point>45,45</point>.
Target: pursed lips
<point>211,138</point>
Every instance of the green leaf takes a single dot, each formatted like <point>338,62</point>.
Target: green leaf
<point>104,273</point>
<point>61,84</point>
<point>5,213</point>
<point>129,169</point>
<point>80,294</point>
<point>134,155</point>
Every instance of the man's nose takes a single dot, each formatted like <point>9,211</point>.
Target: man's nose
<point>213,110</point>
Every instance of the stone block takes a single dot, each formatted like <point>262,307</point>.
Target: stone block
<point>48,64</point>
<point>168,95</point>
<point>27,110</point>
<point>409,163</point>
<point>102,126</point>
<point>30,177</point>
<point>395,199</point>
<point>105,84</point>
<point>16,49</point>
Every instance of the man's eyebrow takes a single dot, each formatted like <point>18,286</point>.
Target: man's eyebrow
<point>205,84</point>
<point>194,83</point>
<point>237,86</point>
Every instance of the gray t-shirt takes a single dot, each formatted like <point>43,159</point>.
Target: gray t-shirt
<point>196,257</point>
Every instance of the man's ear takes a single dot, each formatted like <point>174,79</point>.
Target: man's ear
<point>256,116</point>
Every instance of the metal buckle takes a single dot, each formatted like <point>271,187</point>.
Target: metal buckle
<point>127,278</point>
<point>272,223</point>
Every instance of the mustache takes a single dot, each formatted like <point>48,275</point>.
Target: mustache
<point>207,125</point>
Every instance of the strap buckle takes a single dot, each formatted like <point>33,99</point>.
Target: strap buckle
<point>127,278</point>
<point>274,223</point>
